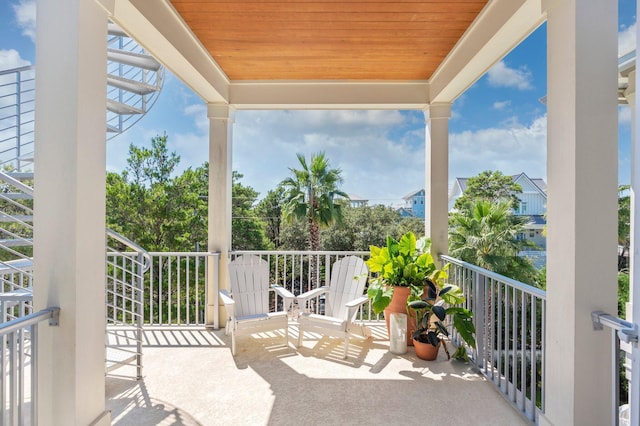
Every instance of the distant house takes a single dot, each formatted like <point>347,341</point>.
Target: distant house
<point>413,204</point>
<point>533,203</point>
<point>405,212</point>
<point>357,201</point>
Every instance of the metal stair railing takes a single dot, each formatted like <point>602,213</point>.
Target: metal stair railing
<point>19,367</point>
<point>17,113</point>
<point>127,264</point>
<point>16,235</point>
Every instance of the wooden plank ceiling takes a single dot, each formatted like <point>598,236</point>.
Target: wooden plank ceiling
<point>328,40</point>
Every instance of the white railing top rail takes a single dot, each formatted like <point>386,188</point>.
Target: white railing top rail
<point>184,253</point>
<point>534,291</point>
<point>627,331</point>
<point>51,314</point>
<point>301,252</point>
<point>135,247</point>
<point>21,295</point>
<point>16,70</point>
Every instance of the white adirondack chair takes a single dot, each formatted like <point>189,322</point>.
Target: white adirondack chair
<point>343,298</point>
<point>248,304</point>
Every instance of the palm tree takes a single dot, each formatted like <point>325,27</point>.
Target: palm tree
<point>487,235</point>
<point>310,195</point>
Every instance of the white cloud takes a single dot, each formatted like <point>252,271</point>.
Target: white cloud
<point>510,149</point>
<point>374,165</point>
<point>381,153</point>
<point>627,39</point>
<point>500,105</point>
<point>199,114</point>
<point>25,11</point>
<point>10,59</point>
<point>500,75</point>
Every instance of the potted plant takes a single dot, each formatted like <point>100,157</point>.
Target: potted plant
<point>431,313</point>
<point>401,270</point>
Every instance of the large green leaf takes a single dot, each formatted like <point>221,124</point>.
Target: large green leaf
<point>380,297</point>
<point>407,244</point>
<point>464,324</point>
<point>454,296</point>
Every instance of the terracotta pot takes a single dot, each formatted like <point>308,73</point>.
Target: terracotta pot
<point>426,351</point>
<point>399,305</point>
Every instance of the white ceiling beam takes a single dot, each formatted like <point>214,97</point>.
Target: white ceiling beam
<point>501,26</point>
<point>157,27</point>
<point>329,95</point>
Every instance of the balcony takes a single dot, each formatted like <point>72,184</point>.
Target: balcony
<point>189,375</point>
<point>189,372</point>
<point>191,378</point>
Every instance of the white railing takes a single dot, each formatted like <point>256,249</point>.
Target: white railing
<point>296,272</point>
<point>19,367</point>
<point>17,110</point>
<point>126,265</point>
<point>176,288</point>
<point>627,333</point>
<point>172,291</point>
<point>509,317</point>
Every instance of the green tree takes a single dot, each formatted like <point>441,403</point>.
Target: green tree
<point>362,227</point>
<point>487,236</point>
<point>145,205</point>
<point>269,211</point>
<point>310,195</point>
<point>490,186</point>
<point>410,224</point>
<point>294,236</point>
<point>624,225</point>
<point>247,230</point>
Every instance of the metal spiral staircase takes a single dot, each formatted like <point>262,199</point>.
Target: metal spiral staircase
<point>134,81</point>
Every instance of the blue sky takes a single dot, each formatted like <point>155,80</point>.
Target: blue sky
<point>498,124</point>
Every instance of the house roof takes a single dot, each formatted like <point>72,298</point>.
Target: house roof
<point>461,182</point>
<point>412,194</point>
<point>355,197</point>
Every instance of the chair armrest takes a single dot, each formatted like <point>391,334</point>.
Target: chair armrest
<point>357,302</point>
<point>226,298</point>
<point>312,293</point>
<point>283,291</point>
<point>229,305</point>
<point>353,306</point>
<point>285,294</point>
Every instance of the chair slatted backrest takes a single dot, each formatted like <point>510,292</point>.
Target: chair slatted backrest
<point>348,279</point>
<point>249,279</point>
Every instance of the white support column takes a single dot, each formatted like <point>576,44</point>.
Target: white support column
<point>633,308</point>
<point>221,118</point>
<point>69,243</point>
<point>582,209</point>
<point>437,176</point>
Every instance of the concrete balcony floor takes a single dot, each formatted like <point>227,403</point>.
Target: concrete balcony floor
<point>190,378</point>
